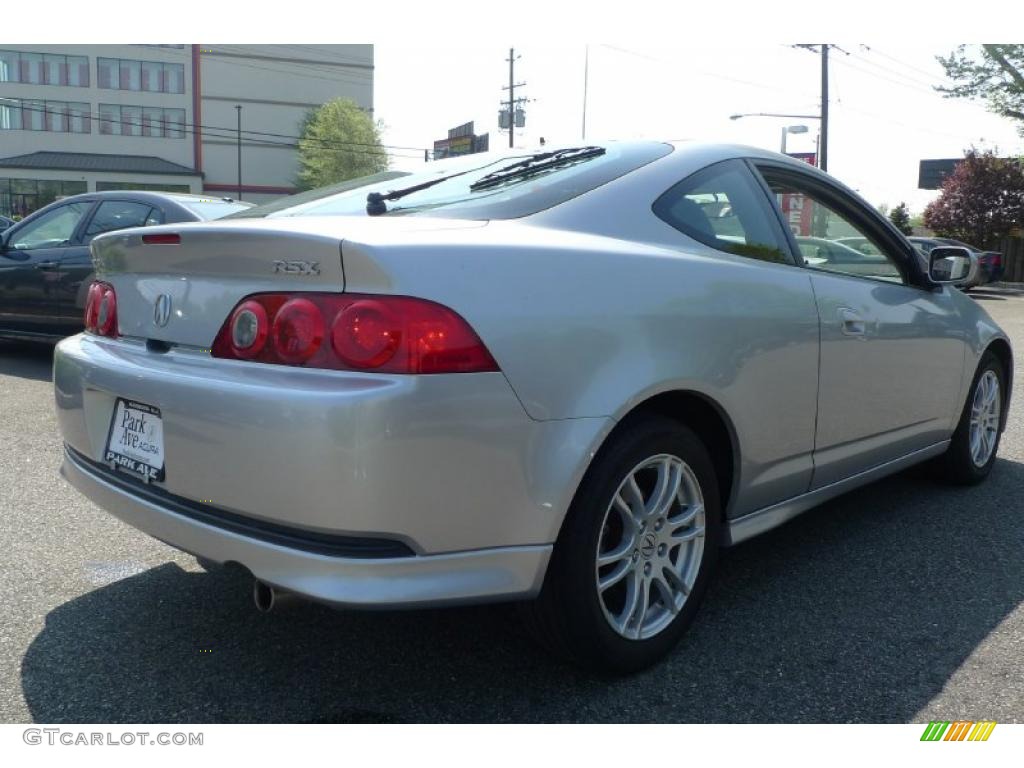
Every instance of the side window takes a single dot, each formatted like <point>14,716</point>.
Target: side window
<point>833,240</point>
<point>723,206</point>
<point>51,230</point>
<point>119,214</point>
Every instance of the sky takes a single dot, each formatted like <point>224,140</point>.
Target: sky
<point>884,113</point>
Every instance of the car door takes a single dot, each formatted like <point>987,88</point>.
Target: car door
<point>892,352</point>
<point>30,268</point>
<point>764,367</point>
<point>75,273</point>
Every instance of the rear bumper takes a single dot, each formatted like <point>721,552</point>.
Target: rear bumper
<point>284,470</point>
<point>364,582</point>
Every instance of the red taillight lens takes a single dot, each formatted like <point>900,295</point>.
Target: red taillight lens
<point>297,331</point>
<point>393,334</point>
<point>92,306</point>
<point>165,238</point>
<point>366,334</point>
<point>101,310</point>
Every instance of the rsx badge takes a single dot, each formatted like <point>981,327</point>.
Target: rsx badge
<point>297,267</point>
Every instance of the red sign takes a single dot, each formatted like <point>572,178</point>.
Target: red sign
<point>799,210</point>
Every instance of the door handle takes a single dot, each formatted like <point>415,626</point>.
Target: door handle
<point>851,323</point>
<point>47,265</point>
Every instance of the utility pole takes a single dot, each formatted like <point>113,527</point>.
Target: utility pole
<point>586,73</point>
<point>823,156</point>
<point>512,100</point>
<point>238,110</point>
<point>511,95</point>
<point>823,136</point>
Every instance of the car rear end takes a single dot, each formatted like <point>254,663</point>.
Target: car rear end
<point>231,398</point>
<point>991,264</point>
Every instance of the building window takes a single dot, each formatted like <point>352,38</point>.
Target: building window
<point>132,75</point>
<point>20,197</point>
<point>39,115</point>
<point>107,186</point>
<point>157,122</point>
<point>44,69</point>
<point>106,70</point>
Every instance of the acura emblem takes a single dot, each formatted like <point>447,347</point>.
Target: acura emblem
<point>162,309</point>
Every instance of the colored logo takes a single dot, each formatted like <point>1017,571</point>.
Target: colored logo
<point>960,730</point>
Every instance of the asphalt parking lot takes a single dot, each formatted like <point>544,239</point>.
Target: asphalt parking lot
<point>901,602</point>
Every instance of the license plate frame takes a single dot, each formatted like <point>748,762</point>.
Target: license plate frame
<point>140,445</point>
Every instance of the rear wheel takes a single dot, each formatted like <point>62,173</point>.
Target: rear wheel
<point>972,450</point>
<point>637,549</point>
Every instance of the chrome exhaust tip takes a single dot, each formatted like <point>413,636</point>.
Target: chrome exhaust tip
<point>264,596</point>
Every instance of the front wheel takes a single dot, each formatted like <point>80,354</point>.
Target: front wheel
<point>972,450</point>
<point>636,552</point>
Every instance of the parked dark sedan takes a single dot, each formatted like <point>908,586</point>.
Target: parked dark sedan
<point>45,269</point>
<point>991,262</point>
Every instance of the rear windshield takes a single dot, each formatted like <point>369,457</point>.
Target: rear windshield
<point>515,196</point>
<point>208,210</point>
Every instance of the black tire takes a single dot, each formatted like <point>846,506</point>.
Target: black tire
<point>210,566</point>
<point>568,617</point>
<point>956,465</point>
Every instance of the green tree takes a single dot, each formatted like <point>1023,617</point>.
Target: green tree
<point>339,142</point>
<point>900,217</point>
<point>992,73</point>
<point>981,201</point>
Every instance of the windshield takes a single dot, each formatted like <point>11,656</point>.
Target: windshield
<point>211,208</point>
<point>474,191</point>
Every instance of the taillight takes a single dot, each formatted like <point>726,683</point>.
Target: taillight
<point>392,334</point>
<point>163,238</point>
<point>101,310</point>
<point>297,331</point>
<point>249,328</point>
<point>366,334</point>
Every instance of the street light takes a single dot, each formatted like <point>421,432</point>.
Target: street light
<point>238,110</point>
<point>785,130</point>
<point>791,129</point>
<point>773,114</point>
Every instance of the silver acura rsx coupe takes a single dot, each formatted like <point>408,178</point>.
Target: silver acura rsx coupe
<point>564,377</point>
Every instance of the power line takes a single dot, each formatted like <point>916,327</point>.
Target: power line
<point>330,57</point>
<point>208,131</point>
<point>233,131</point>
<point>889,71</point>
<point>728,78</point>
<point>874,50</point>
<point>899,83</point>
<point>313,71</point>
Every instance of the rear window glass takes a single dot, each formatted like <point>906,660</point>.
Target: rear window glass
<point>213,209</point>
<point>462,197</point>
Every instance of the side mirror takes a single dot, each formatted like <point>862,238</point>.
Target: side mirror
<point>949,264</point>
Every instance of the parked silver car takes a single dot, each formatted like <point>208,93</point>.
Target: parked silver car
<point>564,377</point>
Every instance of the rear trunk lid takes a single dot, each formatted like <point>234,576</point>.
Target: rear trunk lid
<point>213,265</point>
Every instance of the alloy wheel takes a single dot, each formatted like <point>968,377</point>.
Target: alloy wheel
<point>651,546</point>
<point>986,408</point>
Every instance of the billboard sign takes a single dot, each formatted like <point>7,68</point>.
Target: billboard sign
<point>461,141</point>
<point>931,173</point>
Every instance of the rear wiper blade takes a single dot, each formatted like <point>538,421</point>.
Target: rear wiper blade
<point>536,164</point>
<point>375,200</point>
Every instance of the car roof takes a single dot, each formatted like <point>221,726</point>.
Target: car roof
<point>150,195</point>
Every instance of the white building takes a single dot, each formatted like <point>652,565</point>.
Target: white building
<point>77,118</point>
